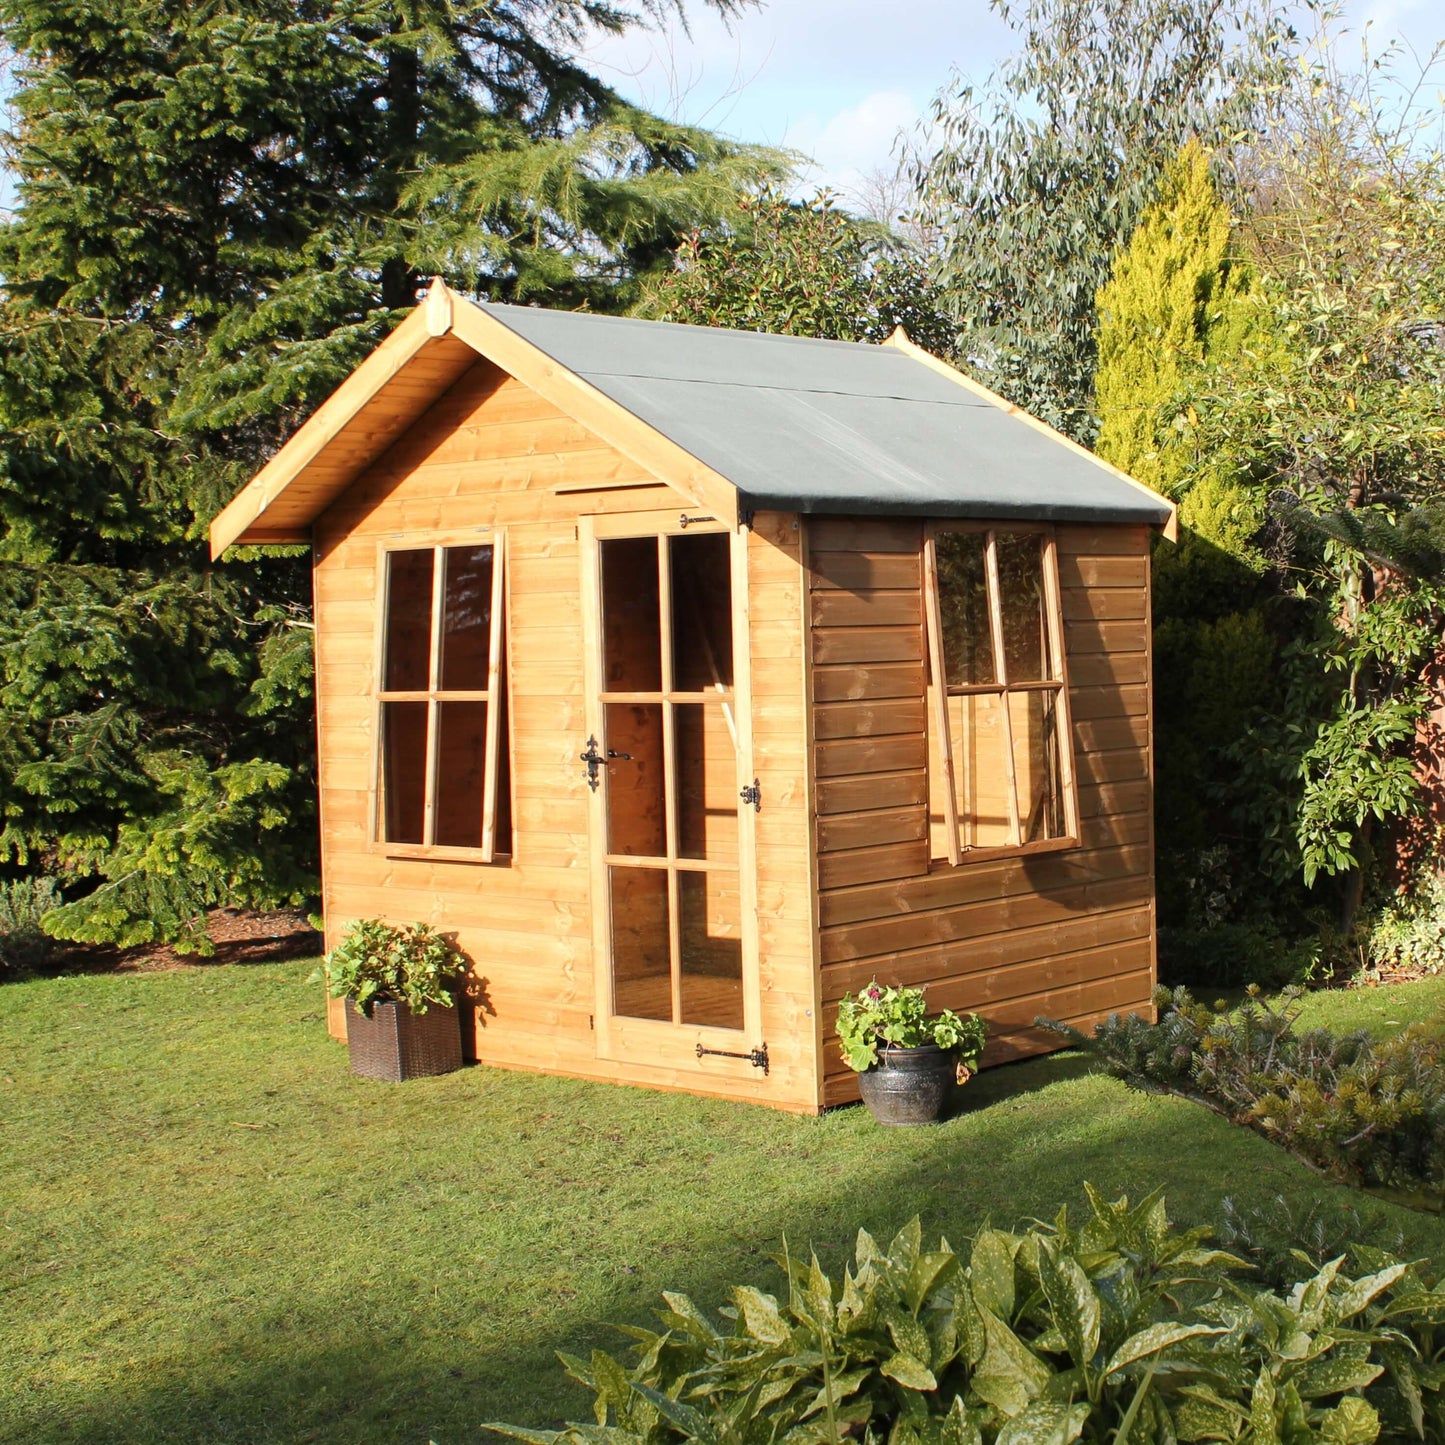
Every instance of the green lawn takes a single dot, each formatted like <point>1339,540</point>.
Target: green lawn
<point>209,1231</point>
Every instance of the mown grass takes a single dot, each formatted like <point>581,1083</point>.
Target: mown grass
<point>209,1231</point>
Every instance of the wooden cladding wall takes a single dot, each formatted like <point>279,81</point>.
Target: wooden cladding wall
<point>1068,934</point>
<point>491,453</point>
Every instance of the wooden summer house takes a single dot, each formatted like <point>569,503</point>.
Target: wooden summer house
<point>692,678</point>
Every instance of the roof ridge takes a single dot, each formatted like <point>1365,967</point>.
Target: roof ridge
<point>962,400</point>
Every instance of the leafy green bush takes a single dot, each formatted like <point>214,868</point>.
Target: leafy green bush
<point>1369,1113</point>
<point>1407,935</point>
<point>882,1017</point>
<point>375,962</point>
<point>1123,1329</point>
<point>23,943</point>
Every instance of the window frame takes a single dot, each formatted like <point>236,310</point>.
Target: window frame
<point>434,694</point>
<point>939,691</point>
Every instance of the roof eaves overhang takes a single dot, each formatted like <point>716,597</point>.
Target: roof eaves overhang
<point>1164,514</point>
<point>375,405</point>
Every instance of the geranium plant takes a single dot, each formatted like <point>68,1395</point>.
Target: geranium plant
<point>883,1017</point>
<point>377,961</point>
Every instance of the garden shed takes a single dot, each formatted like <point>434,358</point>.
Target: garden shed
<point>692,678</point>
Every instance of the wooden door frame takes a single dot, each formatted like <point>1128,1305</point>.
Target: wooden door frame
<point>653,1041</point>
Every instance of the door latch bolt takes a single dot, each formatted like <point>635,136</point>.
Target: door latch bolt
<point>757,1057</point>
<point>753,794</point>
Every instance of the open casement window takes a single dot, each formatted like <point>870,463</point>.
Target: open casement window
<point>443,778</point>
<point>1001,775</point>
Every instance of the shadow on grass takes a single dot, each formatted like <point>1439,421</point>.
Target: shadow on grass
<point>387,1360</point>
<point>1017,1080</point>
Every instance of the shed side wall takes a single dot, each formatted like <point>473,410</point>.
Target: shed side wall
<point>491,453</point>
<point>1068,934</point>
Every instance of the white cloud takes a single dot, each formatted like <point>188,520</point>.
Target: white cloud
<point>853,143</point>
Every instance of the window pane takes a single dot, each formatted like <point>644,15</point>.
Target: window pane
<point>707,782</point>
<point>710,924</point>
<point>980,769</point>
<point>641,950</point>
<point>461,773</point>
<point>702,612</point>
<point>631,626</point>
<point>963,609</point>
<point>403,770</point>
<point>636,807</point>
<point>466,618</point>
<point>408,621</point>
<point>1023,609</point>
<point>1036,764</point>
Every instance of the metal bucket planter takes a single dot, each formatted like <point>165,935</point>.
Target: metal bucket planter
<point>396,1044</point>
<point>908,1086</point>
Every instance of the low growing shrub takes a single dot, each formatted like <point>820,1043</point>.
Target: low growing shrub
<point>1284,1235</point>
<point>1122,1329</point>
<point>1368,1113</point>
<point>23,943</point>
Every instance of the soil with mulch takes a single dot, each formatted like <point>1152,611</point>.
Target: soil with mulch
<point>240,936</point>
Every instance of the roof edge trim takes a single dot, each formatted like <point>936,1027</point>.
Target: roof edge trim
<point>904,343</point>
<point>428,322</point>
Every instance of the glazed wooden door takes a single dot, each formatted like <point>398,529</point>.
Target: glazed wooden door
<point>668,756</point>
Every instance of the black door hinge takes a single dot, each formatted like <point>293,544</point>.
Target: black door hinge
<point>753,794</point>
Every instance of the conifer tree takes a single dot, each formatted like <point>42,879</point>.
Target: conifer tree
<point>221,209</point>
<point>1176,304</point>
<point>1156,311</point>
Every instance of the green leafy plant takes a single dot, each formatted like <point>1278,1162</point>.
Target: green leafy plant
<point>24,944</point>
<point>375,962</point>
<point>1368,1113</point>
<point>1121,1329</point>
<point>1407,934</point>
<point>883,1017</point>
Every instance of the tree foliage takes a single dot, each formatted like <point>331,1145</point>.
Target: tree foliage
<point>1177,300</point>
<point>1172,290</point>
<point>1043,172</point>
<point>1337,422</point>
<point>1281,377</point>
<point>221,209</point>
<point>801,269</point>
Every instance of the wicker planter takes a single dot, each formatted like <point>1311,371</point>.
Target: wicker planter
<point>908,1086</point>
<point>396,1044</point>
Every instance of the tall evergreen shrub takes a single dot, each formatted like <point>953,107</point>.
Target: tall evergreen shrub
<point>1178,301</point>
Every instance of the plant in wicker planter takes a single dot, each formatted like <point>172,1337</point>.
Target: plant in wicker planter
<point>905,1060</point>
<point>400,990</point>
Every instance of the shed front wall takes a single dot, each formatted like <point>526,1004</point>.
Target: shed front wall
<point>1066,934</point>
<point>491,453</point>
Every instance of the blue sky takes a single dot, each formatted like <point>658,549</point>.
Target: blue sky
<point>838,79</point>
